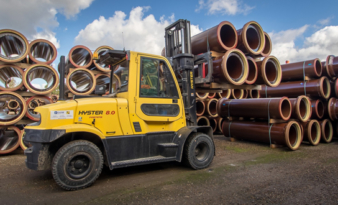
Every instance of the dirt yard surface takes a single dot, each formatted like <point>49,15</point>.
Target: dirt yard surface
<point>241,173</point>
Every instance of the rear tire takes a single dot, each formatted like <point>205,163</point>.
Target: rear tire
<point>77,164</point>
<point>199,151</point>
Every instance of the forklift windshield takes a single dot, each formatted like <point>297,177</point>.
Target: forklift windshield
<point>120,78</point>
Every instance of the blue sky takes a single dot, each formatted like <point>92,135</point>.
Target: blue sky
<point>299,30</point>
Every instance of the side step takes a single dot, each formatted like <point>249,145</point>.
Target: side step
<point>168,145</point>
<point>140,161</point>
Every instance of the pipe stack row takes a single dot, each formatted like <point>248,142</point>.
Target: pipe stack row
<point>310,87</point>
<point>206,106</point>
<point>317,80</point>
<point>240,56</point>
<point>84,73</point>
<point>206,109</point>
<point>257,115</point>
<point>25,70</point>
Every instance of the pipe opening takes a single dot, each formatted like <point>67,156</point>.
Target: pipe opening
<point>202,121</point>
<point>293,135</point>
<point>35,102</point>
<point>102,65</point>
<point>81,57</point>
<point>12,46</point>
<point>8,140</point>
<point>252,70</point>
<point>237,93</point>
<point>254,94</point>
<point>81,81</point>
<point>267,47</point>
<point>271,71</point>
<point>318,68</point>
<point>220,123</point>
<point>213,107</point>
<point>253,38</point>
<point>200,108</point>
<point>104,80</point>
<point>235,67</point>
<point>326,88</point>
<point>285,109</point>
<point>320,109</point>
<point>211,95</point>
<point>228,36</point>
<point>13,104</point>
<point>328,131</point>
<point>303,105</point>
<point>202,95</point>
<point>314,132</point>
<point>55,98</point>
<point>42,51</point>
<point>11,109</point>
<point>10,77</point>
<point>213,124</point>
<point>224,93</point>
<point>245,93</point>
<point>41,78</point>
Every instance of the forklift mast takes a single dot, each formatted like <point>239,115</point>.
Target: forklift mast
<point>178,51</point>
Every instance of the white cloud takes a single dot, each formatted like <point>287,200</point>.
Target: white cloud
<point>228,7</point>
<point>48,35</point>
<point>326,21</point>
<point>37,86</point>
<point>141,33</point>
<point>320,44</point>
<point>38,17</point>
<point>70,8</point>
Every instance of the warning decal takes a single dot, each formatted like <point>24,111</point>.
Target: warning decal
<point>61,114</point>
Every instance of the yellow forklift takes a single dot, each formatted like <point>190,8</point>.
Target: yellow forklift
<point>149,116</point>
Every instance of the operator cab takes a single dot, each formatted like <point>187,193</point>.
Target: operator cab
<point>155,77</point>
<point>119,65</point>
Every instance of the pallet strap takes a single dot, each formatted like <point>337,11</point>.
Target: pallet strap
<point>229,108</point>
<point>304,78</point>
<point>269,120</point>
<point>229,129</point>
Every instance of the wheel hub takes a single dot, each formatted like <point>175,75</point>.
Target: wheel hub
<point>78,164</point>
<point>201,151</point>
<point>79,167</point>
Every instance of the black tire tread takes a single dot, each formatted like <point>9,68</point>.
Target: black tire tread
<point>187,158</point>
<point>64,149</point>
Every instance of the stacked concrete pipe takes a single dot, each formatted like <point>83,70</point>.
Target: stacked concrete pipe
<point>21,63</point>
<point>317,81</point>
<point>288,134</point>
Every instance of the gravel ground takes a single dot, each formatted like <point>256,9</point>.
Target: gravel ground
<point>241,173</point>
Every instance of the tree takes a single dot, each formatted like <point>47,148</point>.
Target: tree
<point>56,91</point>
<point>11,83</point>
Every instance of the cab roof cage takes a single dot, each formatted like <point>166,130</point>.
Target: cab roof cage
<point>113,57</point>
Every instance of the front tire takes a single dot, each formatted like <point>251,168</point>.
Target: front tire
<point>77,164</point>
<point>199,151</point>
